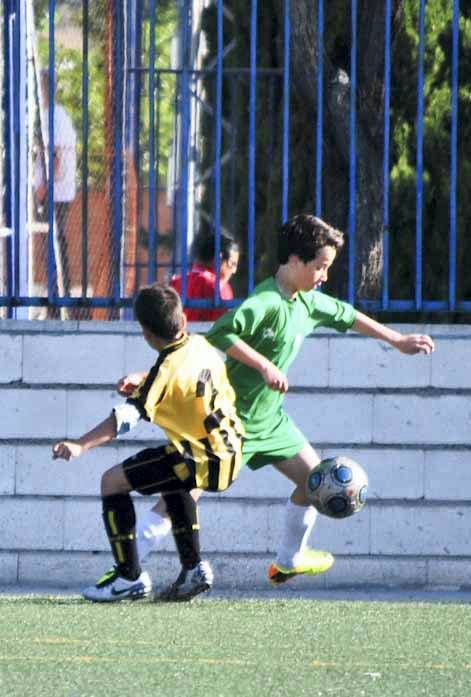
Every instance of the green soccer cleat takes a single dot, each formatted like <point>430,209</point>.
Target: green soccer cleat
<point>314,561</point>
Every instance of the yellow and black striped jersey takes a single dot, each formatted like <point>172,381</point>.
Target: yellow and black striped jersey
<point>188,394</point>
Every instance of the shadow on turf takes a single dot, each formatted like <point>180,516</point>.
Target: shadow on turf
<point>72,597</point>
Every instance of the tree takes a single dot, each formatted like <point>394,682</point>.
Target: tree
<point>369,130</point>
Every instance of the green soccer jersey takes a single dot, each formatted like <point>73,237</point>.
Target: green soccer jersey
<point>275,326</point>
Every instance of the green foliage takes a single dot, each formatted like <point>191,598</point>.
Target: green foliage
<point>68,67</point>
<point>436,153</point>
<point>164,102</point>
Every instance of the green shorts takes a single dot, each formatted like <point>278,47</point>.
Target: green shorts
<point>265,447</point>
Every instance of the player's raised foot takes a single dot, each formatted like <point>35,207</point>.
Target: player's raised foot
<point>190,582</point>
<point>111,588</point>
<point>312,562</point>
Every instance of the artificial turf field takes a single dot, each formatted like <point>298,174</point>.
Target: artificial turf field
<point>61,646</point>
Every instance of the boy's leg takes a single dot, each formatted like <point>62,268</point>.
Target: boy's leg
<point>119,518</point>
<point>183,513</point>
<point>152,471</point>
<point>293,555</point>
<point>196,575</point>
<point>126,580</point>
<point>154,526</point>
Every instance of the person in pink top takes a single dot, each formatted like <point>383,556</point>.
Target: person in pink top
<point>201,279</point>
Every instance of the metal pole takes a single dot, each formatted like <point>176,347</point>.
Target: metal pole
<point>152,187</point>
<point>420,160</point>
<point>454,154</point>
<point>85,134</point>
<point>252,144</point>
<point>286,120</point>
<point>386,149</point>
<point>218,147</point>
<point>320,104</point>
<point>352,166</point>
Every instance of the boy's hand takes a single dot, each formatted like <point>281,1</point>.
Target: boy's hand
<point>126,385</point>
<point>415,343</point>
<point>66,449</point>
<point>274,378</point>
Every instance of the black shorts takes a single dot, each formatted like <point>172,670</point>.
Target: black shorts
<point>156,470</point>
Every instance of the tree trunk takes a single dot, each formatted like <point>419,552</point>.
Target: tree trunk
<point>336,127</point>
<point>369,133</point>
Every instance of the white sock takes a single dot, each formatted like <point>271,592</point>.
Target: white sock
<point>151,529</point>
<point>299,521</point>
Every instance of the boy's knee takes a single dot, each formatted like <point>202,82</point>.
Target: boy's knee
<point>113,481</point>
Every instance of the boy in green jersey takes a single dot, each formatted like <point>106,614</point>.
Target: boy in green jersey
<point>261,338</point>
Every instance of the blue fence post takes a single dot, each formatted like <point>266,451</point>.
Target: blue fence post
<point>138,81</point>
<point>252,145</point>
<point>18,117</point>
<point>420,159</point>
<point>387,127</point>
<point>152,246</point>
<point>85,134</point>
<point>182,198</point>
<point>218,148</point>
<point>286,103</point>
<point>320,105</point>
<point>7,105</point>
<point>453,155</point>
<point>352,159</point>
<point>51,255</point>
<point>117,168</point>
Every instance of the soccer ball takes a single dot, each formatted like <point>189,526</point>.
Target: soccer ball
<point>337,487</point>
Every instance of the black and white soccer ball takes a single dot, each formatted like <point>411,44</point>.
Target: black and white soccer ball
<point>337,487</point>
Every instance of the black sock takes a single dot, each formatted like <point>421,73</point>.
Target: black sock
<point>183,513</point>
<point>120,523</point>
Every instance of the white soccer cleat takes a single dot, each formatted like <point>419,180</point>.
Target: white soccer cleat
<point>112,588</point>
<point>190,582</point>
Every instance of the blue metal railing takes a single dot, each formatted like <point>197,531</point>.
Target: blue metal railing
<point>202,91</point>
<point>320,105</point>
<point>252,147</point>
<point>152,174</point>
<point>420,160</point>
<point>453,157</point>
<point>386,150</point>
<point>286,114</point>
<point>218,150</point>
<point>352,158</point>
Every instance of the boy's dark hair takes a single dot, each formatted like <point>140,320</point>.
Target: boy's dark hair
<point>205,243</point>
<point>159,309</point>
<point>304,235</point>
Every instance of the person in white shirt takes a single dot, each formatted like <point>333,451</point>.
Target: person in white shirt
<point>65,167</point>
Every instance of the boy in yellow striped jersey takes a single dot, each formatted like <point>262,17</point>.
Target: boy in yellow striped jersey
<point>188,394</point>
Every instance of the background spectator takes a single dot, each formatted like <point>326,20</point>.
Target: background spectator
<point>65,166</point>
<point>201,279</point>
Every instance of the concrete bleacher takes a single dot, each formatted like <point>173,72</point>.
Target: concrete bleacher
<point>406,419</point>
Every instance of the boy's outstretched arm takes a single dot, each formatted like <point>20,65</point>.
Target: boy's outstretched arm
<point>406,343</point>
<point>274,378</point>
<point>103,433</point>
